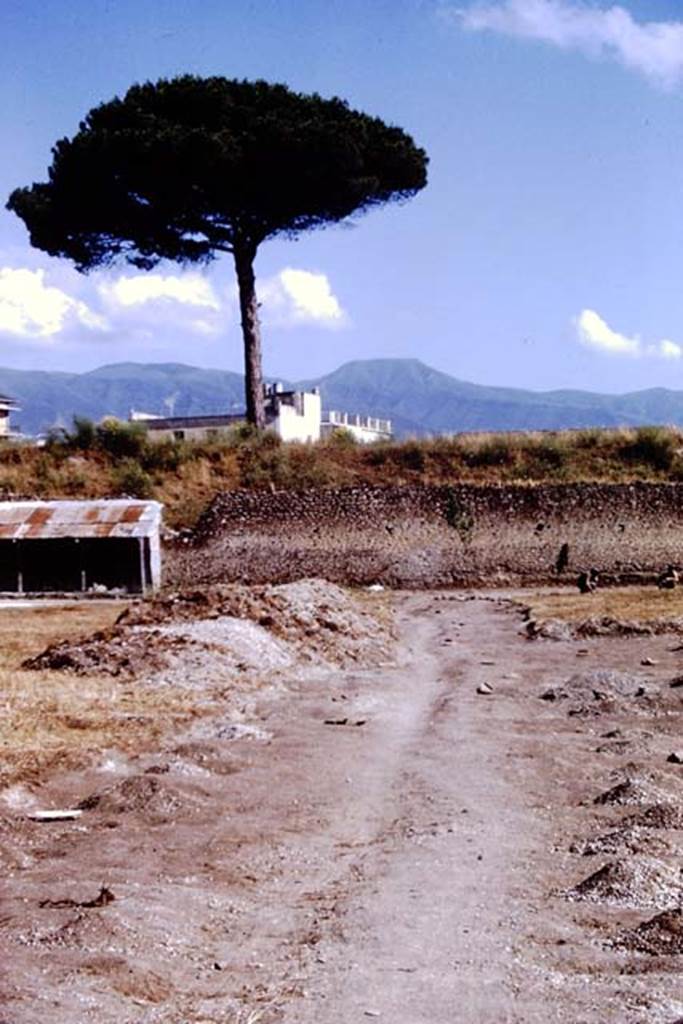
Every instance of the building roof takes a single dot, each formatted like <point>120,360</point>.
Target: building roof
<point>48,520</point>
<point>8,403</point>
<point>185,422</point>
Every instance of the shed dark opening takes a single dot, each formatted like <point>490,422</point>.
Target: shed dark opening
<point>68,564</point>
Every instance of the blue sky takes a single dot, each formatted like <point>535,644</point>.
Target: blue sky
<point>546,251</point>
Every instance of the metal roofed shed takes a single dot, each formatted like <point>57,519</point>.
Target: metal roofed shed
<point>79,546</point>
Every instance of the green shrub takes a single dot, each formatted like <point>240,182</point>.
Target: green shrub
<point>301,466</point>
<point>121,440</point>
<point>130,479</point>
<point>548,453</point>
<point>261,460</point>
<point>589,438</point>
<point>45,476</point>
<point>83,437</point>
<point>458,517</point>
<point>652,446</point>
<point>499,451</point>
<point>164,456</point>
<point>341,438</point>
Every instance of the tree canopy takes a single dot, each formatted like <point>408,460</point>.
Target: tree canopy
<point>185,168</point>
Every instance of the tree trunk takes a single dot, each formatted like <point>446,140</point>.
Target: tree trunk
<point>244,255</point>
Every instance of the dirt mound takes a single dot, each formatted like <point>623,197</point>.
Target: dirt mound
<point>662,935</point>
<point>140,794</point>
<point>188,636</point>
<point>114,652</point>
<point>319,618</point>
<point>627,838</point>
<point>549,629</point>
<point>635,882</point>
<point>600,685</point>
<point>661,816</point>
<point>604,625</point>
<point>633,790</point>
<point>598,626</point>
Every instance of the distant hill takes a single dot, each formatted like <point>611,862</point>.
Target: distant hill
<point>52,399</point>
<point>419,399</point>
<point>422,400</point>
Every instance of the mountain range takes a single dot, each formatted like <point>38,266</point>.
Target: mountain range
<point>418,399</point>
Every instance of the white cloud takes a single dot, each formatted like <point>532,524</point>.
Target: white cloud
<point>30,308</point>
<point>595,333</point>
<point>138,289</point>
<point>299,297</point>
<point>653,48</point>
<point>53,304</point>
<point>666,349</point>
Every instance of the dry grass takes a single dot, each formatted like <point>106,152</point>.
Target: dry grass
<point>186,476</point>
<point>55,720</point>
<point>632,604</point>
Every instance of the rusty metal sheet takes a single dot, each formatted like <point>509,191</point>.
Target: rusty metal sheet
<point>33,532</point>
<point>39,516</point>
<point>132,514</point>
<point>54,519</point>
<point>103,530</point>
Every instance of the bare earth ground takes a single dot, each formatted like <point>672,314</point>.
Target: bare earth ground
<point>339,844</point>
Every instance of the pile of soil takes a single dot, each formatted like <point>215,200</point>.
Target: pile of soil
<point>191,635</point>
<point>605,685</point>
<point>661,816</point>
<point>662,935</point>
<point>141,794</point>
<point>634,882</point>
<point>599,625</point>
<point>633,790</point>
<point>625,839</point>
<point>323,621</point>
<point>605,625</point>
<point>113,652</point>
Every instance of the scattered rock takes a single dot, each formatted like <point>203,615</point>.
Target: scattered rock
<point>601,685</point>
<point>550,629</point>
<point>631,791</point>
<point>662,935</point>
<point>676,757</point>
<point>658,816</point>
<point>484,688</point>
<point>627,838</point>
<point>139,793</point>
<point>635,882</point>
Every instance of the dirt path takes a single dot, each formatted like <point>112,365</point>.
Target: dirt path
<point>406,865</point>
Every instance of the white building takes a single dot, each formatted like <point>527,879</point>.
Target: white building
<point>363,428</point>
<point>292,415</point>
<point>7,405</point>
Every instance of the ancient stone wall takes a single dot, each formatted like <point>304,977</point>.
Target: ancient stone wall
<point>435,536</point>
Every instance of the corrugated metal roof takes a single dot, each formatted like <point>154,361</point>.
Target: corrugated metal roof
<point>43,520</point>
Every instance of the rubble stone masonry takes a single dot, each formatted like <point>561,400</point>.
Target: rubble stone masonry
<point>435,536</point>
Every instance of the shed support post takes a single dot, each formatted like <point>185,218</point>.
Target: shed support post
<point>20,573</point>
<point>79,552</point>
<point>143,574</point>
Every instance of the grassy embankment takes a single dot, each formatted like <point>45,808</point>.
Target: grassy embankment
<point>117,459</point>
